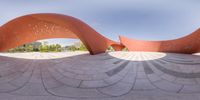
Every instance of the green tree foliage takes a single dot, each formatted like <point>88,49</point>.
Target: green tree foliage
<point>45,47</point>
<point>29,48</point>
<point>58,48</point>
<point>77,47</point>
<point>110,48</point>
<point>50,48</point>
<point>71,48</point>
<point>82,47</point>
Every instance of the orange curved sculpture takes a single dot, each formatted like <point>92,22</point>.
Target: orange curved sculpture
<point>188,44</point>
<point>34,27</point>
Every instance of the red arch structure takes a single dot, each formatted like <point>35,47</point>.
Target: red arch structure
<point>34,27</point>
<point>188,44</point>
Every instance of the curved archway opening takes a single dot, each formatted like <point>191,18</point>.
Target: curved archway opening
<point>48,49</point>
<point>34,27</point>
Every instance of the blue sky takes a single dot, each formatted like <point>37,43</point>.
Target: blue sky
<point>140,19</point>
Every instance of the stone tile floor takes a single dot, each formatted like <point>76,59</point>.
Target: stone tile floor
<point>107,76</point>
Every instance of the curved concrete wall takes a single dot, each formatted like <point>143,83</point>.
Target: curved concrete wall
<point>34,27</point>
<point>187,44</point>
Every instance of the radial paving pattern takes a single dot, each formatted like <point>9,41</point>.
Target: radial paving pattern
<point>113,75</point>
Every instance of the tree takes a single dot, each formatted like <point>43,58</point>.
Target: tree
<point>58,48</point>
<point>82,47</point>
<point>29,48</point>
<point>110,48</point>
<point>78,46</point>
<point>72,48</point>
<point>43,48</point>
<point>46,47</point>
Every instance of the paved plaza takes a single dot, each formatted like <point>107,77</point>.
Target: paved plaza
<point>106,76</point>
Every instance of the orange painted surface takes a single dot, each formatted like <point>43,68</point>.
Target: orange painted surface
<point>34,27</point>
<point>188,44</point>
<point>118,47</point>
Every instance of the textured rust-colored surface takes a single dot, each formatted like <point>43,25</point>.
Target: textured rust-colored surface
<point>117,47</point>
<point>34,27</point>
<point>187,44</point>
